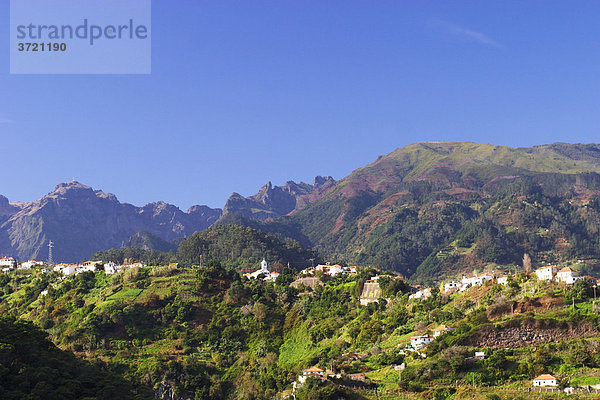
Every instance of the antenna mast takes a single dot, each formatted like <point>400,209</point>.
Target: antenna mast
<point>50,246</point>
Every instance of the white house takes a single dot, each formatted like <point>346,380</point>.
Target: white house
<point>545,380</point>
<point>421,294</point>
<point>271,277</point>
<point>312,371</point>
<point>69,270</point>
<point>475,280</point>
<point>90,265</point>
<point>451,286</point>
<point>9,262</point>
<point>546,273</point>
<point>30,264</point>
<point>502,280</point>
<point>26,265</point>
<point>567,275</point>
<point>441,330</point>
<point>418,342</point>
<point>110,268</point>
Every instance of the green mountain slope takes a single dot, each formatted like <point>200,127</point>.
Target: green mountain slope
<point>416,201</point>
<point>208,333</point>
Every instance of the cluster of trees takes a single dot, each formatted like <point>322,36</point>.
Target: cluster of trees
<point>236,246</point>
<point>31,367</point>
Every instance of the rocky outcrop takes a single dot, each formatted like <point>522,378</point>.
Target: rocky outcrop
<point>7,209</point>
<point>276,201</point>
<point>81,221</point>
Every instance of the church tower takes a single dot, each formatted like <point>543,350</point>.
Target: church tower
<point>263,266</point>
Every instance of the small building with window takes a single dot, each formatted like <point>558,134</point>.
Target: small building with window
<point>545,380</point>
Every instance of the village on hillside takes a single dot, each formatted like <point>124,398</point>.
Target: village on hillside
<point>9,264</point>
<point>308,279</point>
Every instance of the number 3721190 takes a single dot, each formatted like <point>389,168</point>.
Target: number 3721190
<point>42,46</point>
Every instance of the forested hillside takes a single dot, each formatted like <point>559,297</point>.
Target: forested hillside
<point>237,246</point>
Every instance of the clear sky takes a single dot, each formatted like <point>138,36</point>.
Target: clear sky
<point>243,92</point>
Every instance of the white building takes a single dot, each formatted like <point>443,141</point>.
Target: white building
<point>546,273</point>
<point>441,330</point>
<point>9,262</point>
<point>418,342</point>
<point>264,270</point>
<point>90,265</point>
<point>69,270</point>
<point>271,277</point>
<point>30,264</point>
<point>567,275</point>
<point>475,280</point>
<point>502,280</point>
<point>312,371</point>
<point>421,294</point>
<point>451,286</point>
<point>66,269</point>
<point>545,380</point>
<point>110,268</point>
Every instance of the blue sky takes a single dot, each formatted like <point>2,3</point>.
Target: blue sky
<point>243,92</point>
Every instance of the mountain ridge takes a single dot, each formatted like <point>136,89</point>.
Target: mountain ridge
<point>80,221</point>
<point>395,212</point>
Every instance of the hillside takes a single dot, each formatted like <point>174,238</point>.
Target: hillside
<point>207,333</point>
<point>80,221</point>
<point>469,203</point>
<point>32,367</point>
<point>237,247</point>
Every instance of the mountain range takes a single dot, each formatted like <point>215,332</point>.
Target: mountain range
<point>422,209</point>
<point>80,221</point>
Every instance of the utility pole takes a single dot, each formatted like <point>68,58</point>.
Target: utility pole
<point>50,258</point>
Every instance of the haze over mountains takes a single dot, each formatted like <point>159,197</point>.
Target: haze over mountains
<point>422,208</point>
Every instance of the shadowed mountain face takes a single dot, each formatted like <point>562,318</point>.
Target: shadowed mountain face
<point>80,221</point>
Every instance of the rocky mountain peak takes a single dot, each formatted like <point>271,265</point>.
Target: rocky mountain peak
<point>320,180</point>
<point>81,220</point>
<point>3,201</point>
<point>65,187</point>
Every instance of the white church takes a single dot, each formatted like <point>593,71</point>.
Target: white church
<point>264,270</point>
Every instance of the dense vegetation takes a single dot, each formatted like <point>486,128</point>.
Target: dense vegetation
<point>236,246</point>
<point>31,367</point>
<point>452,218</point>
<point>207,333</point>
